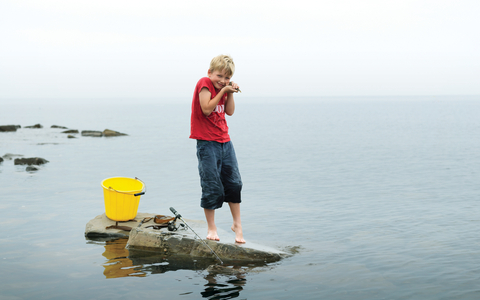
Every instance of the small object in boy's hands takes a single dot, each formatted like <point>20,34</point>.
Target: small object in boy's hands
<point>238,90</point>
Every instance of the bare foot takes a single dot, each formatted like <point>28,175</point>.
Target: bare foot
<point>212,235</point>
<point>238,235</point>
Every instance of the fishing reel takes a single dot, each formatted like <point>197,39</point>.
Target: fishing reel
<point>171,225</point>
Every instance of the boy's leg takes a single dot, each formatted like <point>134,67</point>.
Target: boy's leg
<point>212,228</point>
<point>208,154</point>
<point>232,182</point>
<point>237,222</point>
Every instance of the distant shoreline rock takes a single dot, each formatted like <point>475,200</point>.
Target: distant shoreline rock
<point>34,126</point>
<point>92,133</point>
<point>108,132</point>
<point>30,161</point>
<point>10,156</point>
<point>6,128</point>
<point>70,131</point>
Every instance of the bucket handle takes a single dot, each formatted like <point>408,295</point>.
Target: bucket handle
<point>144,190</point>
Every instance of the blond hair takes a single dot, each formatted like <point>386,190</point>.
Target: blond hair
<point>222,63</point>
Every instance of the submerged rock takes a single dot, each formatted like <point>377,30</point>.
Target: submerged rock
<point>92,133</point>
<point>34,126</point>
<point>58,126</point>
<point>5,128</point>
<point>10,156</point>
<point>71,136</point>
<point>30,161</point>
<point>31,169</point>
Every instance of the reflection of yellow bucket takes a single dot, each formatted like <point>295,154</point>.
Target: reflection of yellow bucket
<point>122,196</point>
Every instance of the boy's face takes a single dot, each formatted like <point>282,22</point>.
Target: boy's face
<point>219,78</point>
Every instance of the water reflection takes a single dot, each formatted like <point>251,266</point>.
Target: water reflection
<point>118,264</point>
<point>218,288</point>
<point>223,282</point>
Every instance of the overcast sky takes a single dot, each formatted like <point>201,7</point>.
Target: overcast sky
<point>114,48</point>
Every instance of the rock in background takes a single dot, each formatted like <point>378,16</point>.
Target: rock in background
<point>108,132</point>
<point>6,128</point>
<point>70,131</point>
<point>30,161</point>
<point>34,126</point>
<point>93,133</point>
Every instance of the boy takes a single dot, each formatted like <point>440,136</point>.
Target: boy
<point>217,164</point>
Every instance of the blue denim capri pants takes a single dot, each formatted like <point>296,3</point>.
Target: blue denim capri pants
<point>219,175</point>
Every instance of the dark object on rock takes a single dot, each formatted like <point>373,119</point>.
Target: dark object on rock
<point>1,159</point>
<point>92,133</point>
<point>157,227</point>
<point>161,219</point>
<point>116,226</point>
<point>30,161</point>
<point>31,169</point>
<point>4,128</point>
<point>34,126</point>
<point>10,156</point>
<point>71,136</point>
<point>108,132</point>
<point>70,131</point>
<point>57,126</point>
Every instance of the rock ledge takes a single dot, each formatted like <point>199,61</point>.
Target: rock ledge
<point>181,242</point>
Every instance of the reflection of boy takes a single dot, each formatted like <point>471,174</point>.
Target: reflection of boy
<point>217,164</point>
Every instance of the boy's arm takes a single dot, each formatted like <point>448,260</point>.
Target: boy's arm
<point>208,104</point>
<point>230,105</point>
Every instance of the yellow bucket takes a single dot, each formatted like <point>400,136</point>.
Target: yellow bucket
<point>122,196</point>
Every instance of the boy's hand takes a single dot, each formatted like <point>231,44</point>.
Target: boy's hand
<point>235,87</point>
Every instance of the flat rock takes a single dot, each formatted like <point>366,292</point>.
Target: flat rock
<point>58,126</point>
<point>97,226</point>
<point>181,242</point>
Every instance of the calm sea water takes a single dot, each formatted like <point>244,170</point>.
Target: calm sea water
<point>378,198</point>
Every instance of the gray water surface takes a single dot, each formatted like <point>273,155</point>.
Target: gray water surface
<point>377,198</point>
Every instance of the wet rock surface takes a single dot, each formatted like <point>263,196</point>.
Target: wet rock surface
<point>181,242</point>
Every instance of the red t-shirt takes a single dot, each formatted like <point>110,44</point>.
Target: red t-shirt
<point>211,128</point>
